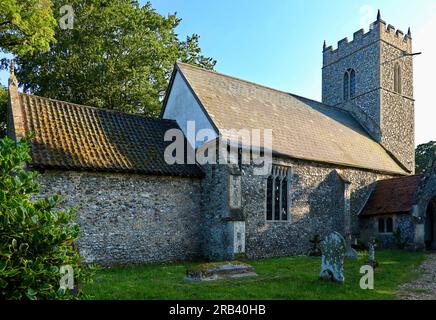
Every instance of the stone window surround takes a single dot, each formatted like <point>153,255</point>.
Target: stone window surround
<point>288,175</point>
<point>385,218</point>
<point>349,84</point>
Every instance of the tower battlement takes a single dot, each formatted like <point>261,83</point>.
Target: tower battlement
<point>371,77</point>
<point>378,31</point>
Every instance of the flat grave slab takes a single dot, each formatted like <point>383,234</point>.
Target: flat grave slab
<point>221,270</point>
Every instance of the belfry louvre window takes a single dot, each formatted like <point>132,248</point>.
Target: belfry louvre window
<point>277,194</point>
<point>349,84</point>
<point>397,78</point>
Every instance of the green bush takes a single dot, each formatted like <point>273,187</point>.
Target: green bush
<point>36,238</point>
<point>4,97</point>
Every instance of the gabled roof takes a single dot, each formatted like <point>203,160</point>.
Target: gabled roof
<point>302,128</point>
<point>392,196</point>
<point>76,137</point>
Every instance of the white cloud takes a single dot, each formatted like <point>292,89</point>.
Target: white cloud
<point>425,81</point>
<point>367,14</point>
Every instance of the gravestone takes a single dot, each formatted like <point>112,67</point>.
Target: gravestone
<point>371,254</point>
<point>333,253</point>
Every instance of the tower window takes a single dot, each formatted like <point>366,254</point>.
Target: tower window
<point>277,194</point>
<point>346,86</point>
<point>397,78</point>
<point>352,83</point>
<point>349,84</point>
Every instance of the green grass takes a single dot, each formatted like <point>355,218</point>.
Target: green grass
<point>280,278</point>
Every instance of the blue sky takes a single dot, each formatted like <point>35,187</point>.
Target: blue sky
<point>278,43</point>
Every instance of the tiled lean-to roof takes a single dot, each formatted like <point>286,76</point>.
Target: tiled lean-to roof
<point>76,137</point>
<point>392,196</point>
<point>302,128</point>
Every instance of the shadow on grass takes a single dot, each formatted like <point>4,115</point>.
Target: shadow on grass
<point>291,278</point>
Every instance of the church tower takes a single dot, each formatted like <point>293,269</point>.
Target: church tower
<point>372,78</point>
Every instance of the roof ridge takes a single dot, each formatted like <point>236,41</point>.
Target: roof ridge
<point>97,108</point>
<point>265,87</point>
<point>195,75</point>
<point>319,102</point>
<point>248,82</point>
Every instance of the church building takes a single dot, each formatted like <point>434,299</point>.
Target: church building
<point>344,164</point>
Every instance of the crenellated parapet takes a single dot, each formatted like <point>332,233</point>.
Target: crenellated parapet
<point>378,31</point>
<point>380,93</point>
<point>396,37</point>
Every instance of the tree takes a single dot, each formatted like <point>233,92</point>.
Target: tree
<point>424,154</point>
<point>118,55</point>
<point>26,26</point>
<point>35,237</point>
<point>3,110</point>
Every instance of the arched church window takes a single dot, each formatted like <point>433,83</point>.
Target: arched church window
<point>352,83</point>
<point>397,78</point>
<point>277,204</point>
<point>349,84</point>
<point>277,194</point>
<point>346,86</point>
<point>269,198</point>
<point>284,204</point>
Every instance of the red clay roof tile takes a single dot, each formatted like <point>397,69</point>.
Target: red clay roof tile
<point>392,196</point>
<point>76,137</point>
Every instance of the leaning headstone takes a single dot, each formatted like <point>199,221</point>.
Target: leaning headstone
<point>333,254</point>
<point>371,254</point>
<point>350,252</point>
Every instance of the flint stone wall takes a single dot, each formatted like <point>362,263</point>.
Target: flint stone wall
<point>218,218</point>
<point>317,207</point>
<point>373,57</point>
<point>130,219</point>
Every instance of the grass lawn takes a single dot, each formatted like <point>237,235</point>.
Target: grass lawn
<point>280,278</point>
